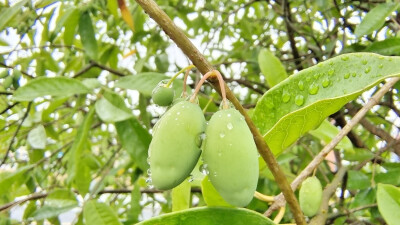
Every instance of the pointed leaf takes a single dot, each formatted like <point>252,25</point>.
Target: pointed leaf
<point>99,213</point>
<point>70,27</point>
<point>390,46</point>
<point>7,180</point>
<point>375,18</point>
<point>142,82</point>
<point>6,14</point>
<point>271,67</point>
<point>54,86</point>
<point>327,131</point>
<point>136,140</point>
<point>301,102</point>
<point>67,15</point>
<point>37,137</point>
<point>388,197</point>
<point>88,39</point>
<point>211,195</point>
<point>210,216</point>
<point>112,108</point>
<point>181,196</point>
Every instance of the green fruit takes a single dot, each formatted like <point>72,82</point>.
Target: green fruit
<point>310,196</point>
<point>230,156</point>
<point>175,147</point>
<point>162,95</point>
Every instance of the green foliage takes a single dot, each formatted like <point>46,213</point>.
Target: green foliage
<point>271,67</point>
<point>388,198</point>
<point>99,213</point>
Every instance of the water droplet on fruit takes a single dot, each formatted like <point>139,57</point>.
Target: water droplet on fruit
<point>313,89</point>
<point>325,82</point>
<point>204,169</point>
<point>222,135</point>
<point>299,100</point>
<point>191,179</point>
<point>301,85</point>
<point>229,115</point>
<point>364,62</point>
<point>285,96</point>
<point>308,79</point>
<point>149,182</point>
<point>219,115</point>
<point>367,70</point>
<point>345,58</point>
<point>148,159</point>
<point>215,174</point>
<point>229,126</point>
<point>199,139</point>
<point>347,76</point>
<point>149,172</point>
<point>380,66</point>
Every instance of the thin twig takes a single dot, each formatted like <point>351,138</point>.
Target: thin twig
<point>279,200</point>
<point>15,134</point>
<point>177,35</point>
<point>9,107</point>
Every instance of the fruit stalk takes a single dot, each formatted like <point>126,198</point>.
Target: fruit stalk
<point>177,35</point>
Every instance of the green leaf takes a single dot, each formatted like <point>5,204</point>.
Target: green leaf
<point>142,82</point>
<point>271,67</point>
<point>135,139</point>
<point>388,197</point>
<point>390,46</point>
<point>112,108</point>
<point>327,131</point>
<point>49,212</point>
<point>8,179</point>
<point>70,27</point>
<point>210,216</point>
<point>62,21</point>
<point>7,14</point>
<point>390,176</point>
<point>357,180</point>
<point>37,137</point>
<point>375,18</point>
<point>87,34</point>
<point>99,213</point>
<point>112,5</point>
<point>301,102</point>
<point>181,196</point>
<point>211,195</point>
<point>78,147</point>
<point>61,198</point>
<point>136,208</point>
<point>54,86</point>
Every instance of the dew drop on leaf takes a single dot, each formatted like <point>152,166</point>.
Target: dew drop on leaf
<point>270,104</point>
<point>345,58</point>
<point>347,76</point>
<point>301,85</point>
<point>331,72</point>
<point>299,100</point>
<point>325,82</point>
<point>313,90</point>
<point>354,74</point>
<point>285,96</point>
<point>367,70</point>
<point>380,66</point>
<point>204,169</point>
<point>222,135</point>
<point>364,62</point>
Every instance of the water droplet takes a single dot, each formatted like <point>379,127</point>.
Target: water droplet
<point>229,115</point>
<point>149,172</point>
<point>330,63</point>
<point>347,76</point>
<point>301,85</point>
<point>317,75</point>
<point>149,181</point>
<point>270,104</point>
<point>229,126</point>
<point>200,138</point>
<point>308,79</point>
<point>353,74</point>
<point>222,135</point>
<point>299,100</point>
<point>204,169</point>
<point>285,96</point>
<point>380,66</point>
<point>367,70</point>
<point>325,82</point>
<point>219,115</point>
<point>148,159</point>
<point>191,179</point>
<point>215,174</point>
<point>219,153</point>
<point>364,62</point>
<point>345,58</point>
<point>313,89</point>
<point>331,72</point>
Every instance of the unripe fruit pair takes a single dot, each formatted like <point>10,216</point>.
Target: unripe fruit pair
<point>229,151</point>
<point>310,196</point>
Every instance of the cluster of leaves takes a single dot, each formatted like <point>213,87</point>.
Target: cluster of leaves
<point>76,115</point>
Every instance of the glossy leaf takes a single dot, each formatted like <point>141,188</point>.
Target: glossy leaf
<point>54,86</point>
<point>181,196</point>
<point>301,102</point>
<point>210,216</point>
<point>112,108</point>
<point>390,46</point>
<point>327,131</point>
<point>388,197</point>
<point>135,139</point>
<point>99,213</point>
<point>88,39</point>
<point>375,19</point>
<point>271,67</point>
<point>37,137</point>
<point>142,82</point>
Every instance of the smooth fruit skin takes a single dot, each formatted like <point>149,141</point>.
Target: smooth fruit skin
<point>175,147</point>
<point>231,157</point>
<point>163,96</point>
<point>310,196</point>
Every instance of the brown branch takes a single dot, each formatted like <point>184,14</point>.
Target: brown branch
<point>95,64</point>
<point>279,200</point>
<point>162,19</point>
<point>351,211</point>
<point>13,67</point>
<point>329,190</point>
<point>290,31</point>
<point>15,134</point>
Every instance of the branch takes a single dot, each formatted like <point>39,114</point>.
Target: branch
<point>9,107</point>
<point>13,67</point>
<point>15,134</point>
<point>290,31</point>
<point>351,211</point>
<point>279,200</point>
<point>162,19</point>
<point>329,190</point>
<point>95,64</point>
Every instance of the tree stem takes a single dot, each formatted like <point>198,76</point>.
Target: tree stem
<point>177,35</point>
